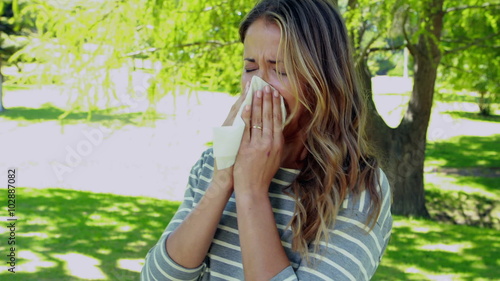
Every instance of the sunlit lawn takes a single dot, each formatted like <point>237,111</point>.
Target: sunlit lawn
<point>464,152</point>
<point>73,235</point>
<point>426,250</point>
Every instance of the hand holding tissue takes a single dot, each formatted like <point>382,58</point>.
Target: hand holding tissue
<point>227,139</point>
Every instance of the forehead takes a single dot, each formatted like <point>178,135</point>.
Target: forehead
<point>262,35</point>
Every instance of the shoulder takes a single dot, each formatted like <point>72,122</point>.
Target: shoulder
<point>202,171</point>
<point>384,189</point>
<point>205,161</point>
<point>207,156</point>
<point>357,212</point>
<point>361,243</point>
<point>385,216</point>
<point>383,184</point>
<point>362,202</point>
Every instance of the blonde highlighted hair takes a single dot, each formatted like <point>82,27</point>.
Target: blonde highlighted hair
<point>318,61</point>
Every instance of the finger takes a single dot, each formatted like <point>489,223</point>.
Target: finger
<point>277,116</point>
<point>243,94</point>
<point>247,86</point>
<point>245,115</point>
<point>267,113</point>
<point>236,107</point>
<point>257,113</point>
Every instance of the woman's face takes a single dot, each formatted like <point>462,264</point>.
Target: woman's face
<point>260,58</point>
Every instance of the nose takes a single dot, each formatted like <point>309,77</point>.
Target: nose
<point>262,73</point>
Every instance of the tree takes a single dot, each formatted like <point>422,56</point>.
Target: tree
<point>190,44</point>
<point>403,148</point>
<point>468,53</point>
<point>7,27</point>
<point>14,30</point>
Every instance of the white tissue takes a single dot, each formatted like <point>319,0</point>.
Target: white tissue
<point>227,139</point>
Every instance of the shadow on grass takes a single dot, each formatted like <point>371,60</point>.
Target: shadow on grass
<point>463,208</point>
<point>465,151</point>
<point>423,250</point>
<point>101,230</point>
<point>49,112</point>
<point>473,116</point>
<point>468,163</point>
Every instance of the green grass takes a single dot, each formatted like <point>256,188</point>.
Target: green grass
<point>464,185</point>
<point>473,116</point>
<point>463,207</point>
<point>48,112</point>
<point>73,235</point>
<point>464,151</point>
<point>14,87</point>
<point>426,250</point>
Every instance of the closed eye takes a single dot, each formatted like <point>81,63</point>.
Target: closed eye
<point>282,73</point>
<point>250,70</point>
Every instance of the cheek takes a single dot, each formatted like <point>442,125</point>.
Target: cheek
<point>245,77</point>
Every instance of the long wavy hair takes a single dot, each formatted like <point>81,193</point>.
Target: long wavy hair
<point>317,57</point>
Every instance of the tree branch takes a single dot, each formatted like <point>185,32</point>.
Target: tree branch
<point>140,52</point>
<point>201,43</point>
<point>476,42</point>
<point>390,48</point>
<point>409,45</point>
<point>209,42</point>
<point>459,69</point>
<point>461,8</point>
<point>364,51</point>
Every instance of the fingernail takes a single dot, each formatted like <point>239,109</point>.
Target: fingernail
<point>247,107</point>
<point>275,93</point>
<point>267,89</point>
<point>259,94</point>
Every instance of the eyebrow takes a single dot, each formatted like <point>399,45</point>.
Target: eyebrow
<point>253,60</point>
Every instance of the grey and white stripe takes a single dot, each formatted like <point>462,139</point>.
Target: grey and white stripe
<point>353,251</point>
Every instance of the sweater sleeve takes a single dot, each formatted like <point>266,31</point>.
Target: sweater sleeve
<point>158,264</point>
<point>353,251</point>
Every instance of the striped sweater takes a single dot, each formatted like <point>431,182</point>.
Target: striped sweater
<point>351,253</point>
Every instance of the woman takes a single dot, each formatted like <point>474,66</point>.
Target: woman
<point>306,202</point>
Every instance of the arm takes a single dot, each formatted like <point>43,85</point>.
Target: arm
<point>162,263</point>
<point>198,228</point>
<point>262,253</point>
<point>194,224</point>
<point>257,161</point>
<point>158,265</point>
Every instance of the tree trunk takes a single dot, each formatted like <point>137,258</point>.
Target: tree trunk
<point>484,104</point>
<point>402,150</point>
